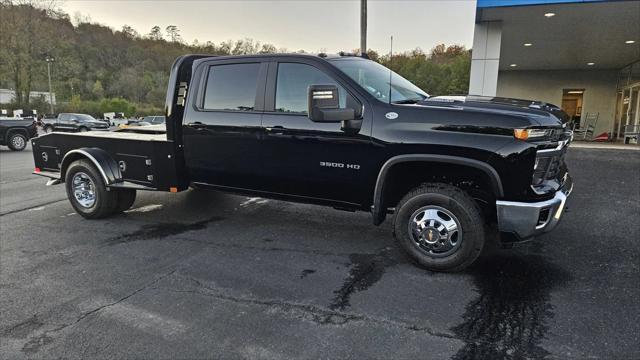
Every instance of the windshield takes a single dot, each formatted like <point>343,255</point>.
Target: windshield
<point>374,78</point>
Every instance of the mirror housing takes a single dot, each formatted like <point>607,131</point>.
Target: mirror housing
<point>324,105</point>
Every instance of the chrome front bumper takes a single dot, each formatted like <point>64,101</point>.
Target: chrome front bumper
<point>525,220</point>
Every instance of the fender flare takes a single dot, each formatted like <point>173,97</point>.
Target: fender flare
<point>12,130</point>
<point>379,213</point>
<point>107,166</point>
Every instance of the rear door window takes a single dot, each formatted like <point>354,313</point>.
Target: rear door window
<point>231,87</point>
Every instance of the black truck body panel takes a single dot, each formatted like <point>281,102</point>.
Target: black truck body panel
<point>288,156</point>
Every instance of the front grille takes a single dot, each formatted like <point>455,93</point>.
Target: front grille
<point>548,166</point>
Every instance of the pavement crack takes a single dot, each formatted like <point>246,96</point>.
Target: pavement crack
<point>44,338</point>
<point>32,207</point>
<point>22,329</point>
<point>308,312</point>
<point>275,249</point>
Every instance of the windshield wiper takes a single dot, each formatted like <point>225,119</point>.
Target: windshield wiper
<point>406,101</point>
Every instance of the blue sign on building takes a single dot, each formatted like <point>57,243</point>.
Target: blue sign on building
<point>507,3</point>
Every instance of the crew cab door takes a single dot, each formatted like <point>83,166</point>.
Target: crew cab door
<point>63,122</point>
<point>303,158</point>
<point>221,129</point>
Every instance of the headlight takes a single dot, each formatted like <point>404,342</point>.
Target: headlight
<point>532,134</point>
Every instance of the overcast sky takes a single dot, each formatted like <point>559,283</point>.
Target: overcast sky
<point>329,26</point>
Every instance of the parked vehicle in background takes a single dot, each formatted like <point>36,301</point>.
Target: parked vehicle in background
<point>115,119</point>
<point>73,123</point>
<point>133,123</point>
<point>16,132</point>
<point>154,120</point>
<point>338,131</point>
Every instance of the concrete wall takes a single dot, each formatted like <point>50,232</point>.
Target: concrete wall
<point>485,58</point>
<point>547,85</point>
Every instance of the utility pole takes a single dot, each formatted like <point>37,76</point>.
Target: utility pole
<point>49,60</point>
<point>363,27</point>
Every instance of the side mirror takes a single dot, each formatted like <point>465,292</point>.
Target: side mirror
<point>324,105</point>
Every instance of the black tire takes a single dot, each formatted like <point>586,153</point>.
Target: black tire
<point>106,200</point>
<point>48,129</point>
<point>17,141</point>
<point>466,214</point>
<point>83,129</point>
<point>126,198</point>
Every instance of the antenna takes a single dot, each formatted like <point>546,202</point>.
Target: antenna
<point>390,63</point>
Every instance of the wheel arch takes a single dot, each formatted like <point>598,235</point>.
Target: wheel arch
<point>11,131</point>
<point>379,210</point>
<point>105,164</point>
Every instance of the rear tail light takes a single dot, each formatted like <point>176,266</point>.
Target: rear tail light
<point>36,170</point>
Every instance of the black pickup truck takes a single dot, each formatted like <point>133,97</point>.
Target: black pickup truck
<point>16,132</point>
<point>339,131</point>
<point>74,122</point>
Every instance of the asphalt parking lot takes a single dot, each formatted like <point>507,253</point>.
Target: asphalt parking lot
<point>208,275</point>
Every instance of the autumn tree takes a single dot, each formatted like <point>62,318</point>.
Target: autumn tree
<point>155,33</point>
<point>173,33</point>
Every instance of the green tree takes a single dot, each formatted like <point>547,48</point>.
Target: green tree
<point>155,33</point>
<point>173,33</point>
<point>98,90</point>
<point>75,103</point>
<point>129,32</point>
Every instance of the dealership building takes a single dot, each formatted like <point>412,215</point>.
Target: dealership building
<point>582,55</point>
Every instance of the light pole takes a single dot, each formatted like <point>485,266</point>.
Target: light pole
<point>49,60</point>
<point>363,27</point>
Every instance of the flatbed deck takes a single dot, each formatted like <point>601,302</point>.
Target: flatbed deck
<point>121,135</point>
<point>143,160</point>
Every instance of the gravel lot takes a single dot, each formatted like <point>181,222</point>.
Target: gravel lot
<point>208,275</point>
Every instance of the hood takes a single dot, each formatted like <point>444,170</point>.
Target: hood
<point>544,114</point>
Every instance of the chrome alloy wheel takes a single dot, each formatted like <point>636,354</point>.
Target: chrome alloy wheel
<point>435,230</point>
<point>84,190</point>
<point>18,142</point>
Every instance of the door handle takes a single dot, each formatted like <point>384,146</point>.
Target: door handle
<point>196,125</point>
<point>275,129</point>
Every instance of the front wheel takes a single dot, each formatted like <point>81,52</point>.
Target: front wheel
<point>440,227</point>
<point>17,142</point>
<point>83,129</point>
<point>87,192</point>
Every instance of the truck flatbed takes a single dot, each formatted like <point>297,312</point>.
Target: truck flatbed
<point>122,135</point>
<point>138,160</point>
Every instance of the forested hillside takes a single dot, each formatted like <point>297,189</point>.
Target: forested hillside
<point>99,69</point>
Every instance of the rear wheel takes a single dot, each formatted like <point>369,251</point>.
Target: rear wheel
<point>87,191</point>
<point>440,227</point>
<point>83,129</point>
<point>126,198</point>
<point>17,141</point>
